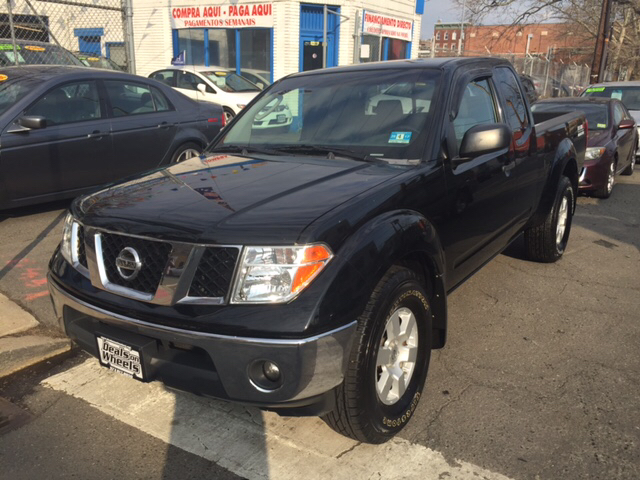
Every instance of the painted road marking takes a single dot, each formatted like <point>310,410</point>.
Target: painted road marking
<point>251,443</point>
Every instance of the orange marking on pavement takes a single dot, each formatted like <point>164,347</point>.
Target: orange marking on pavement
<point>33,296</point>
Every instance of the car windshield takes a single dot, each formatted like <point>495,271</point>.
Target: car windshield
<point>35,55</point>
<point>230,82</point>
<point>348,113</point>
<point>597,114</point>
<point>629,96</point>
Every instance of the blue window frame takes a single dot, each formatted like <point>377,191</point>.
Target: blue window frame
<point>89,39</point>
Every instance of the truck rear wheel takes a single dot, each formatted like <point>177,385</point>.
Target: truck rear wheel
<point>548,241</point>
<point>388,362</point>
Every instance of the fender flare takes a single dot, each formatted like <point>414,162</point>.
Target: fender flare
<point>564,163</point>
<point>401,237</point>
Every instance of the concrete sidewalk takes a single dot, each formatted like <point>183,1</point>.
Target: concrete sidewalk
<point>23,341</point>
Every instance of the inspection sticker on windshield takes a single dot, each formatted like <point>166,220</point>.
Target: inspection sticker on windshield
<point>601,125</point>
<point>5,46</point>
<point>3,78</point>
<point>595,89</point>
<point>400,137</point>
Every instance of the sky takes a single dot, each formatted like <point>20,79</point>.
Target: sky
<point>448,12</point>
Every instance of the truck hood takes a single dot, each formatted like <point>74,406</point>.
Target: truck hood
<point>230,200</point>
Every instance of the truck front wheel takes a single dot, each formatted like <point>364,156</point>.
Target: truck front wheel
<point>548,241</point>
<point>388,362</point>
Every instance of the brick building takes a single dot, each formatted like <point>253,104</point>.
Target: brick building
<point>536,39</point>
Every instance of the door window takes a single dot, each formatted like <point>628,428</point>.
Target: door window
<point>477,107</point>
<point>129,98</point>
<point>618,114</point>
<point>516,111</point>
<point>73,102</point>
<point>165,76</point>
<point>187,81</point>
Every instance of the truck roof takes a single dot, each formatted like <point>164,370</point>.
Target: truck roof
<point>440,63</point>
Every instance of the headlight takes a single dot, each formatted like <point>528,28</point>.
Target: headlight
<point>278,274</point>
<point>240,105</point>
<point>593,153</point>
<point>67,238</point>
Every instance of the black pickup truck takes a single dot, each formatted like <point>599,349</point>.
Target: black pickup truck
<point>303,266</point>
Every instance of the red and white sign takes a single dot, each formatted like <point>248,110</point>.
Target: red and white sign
<point>386,26</point>
<point>247,15</point>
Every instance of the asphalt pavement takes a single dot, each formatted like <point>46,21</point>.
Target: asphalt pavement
<point>539,380</point>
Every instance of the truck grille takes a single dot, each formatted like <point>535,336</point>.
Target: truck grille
<point>214,273</point>
<point>153,256</point>
<point>82,252</point>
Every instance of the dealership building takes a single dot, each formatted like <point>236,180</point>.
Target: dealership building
<point>274,38</point>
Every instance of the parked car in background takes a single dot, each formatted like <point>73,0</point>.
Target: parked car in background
<point>64,130</point>
<point>97,61</point>
<point>261,78</point>
<point>210,84</point>
<point>627,92</point>
<point>549,87</point>
<point>529,88</point>
<point>34,53</point>
<point>612,139</point>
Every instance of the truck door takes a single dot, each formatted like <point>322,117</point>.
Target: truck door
<point>524,169</point>
<point>480,215</point>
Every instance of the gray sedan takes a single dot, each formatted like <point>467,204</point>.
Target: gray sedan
<point>65,130</point>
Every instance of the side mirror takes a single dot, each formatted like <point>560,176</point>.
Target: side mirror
<point>627,123</point>
<point>202,88</point>
<point>34,122</point>
<point>26,124</point>
<point>484,139</point>
<point>261,85</point>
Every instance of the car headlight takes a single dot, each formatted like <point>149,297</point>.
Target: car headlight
<point>593,153</point>
<point>278,274</point>
<point>241,105</point>
<point>67,238</point>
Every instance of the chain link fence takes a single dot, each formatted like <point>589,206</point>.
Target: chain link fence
<point>98,33</point>
<point>551,78</point>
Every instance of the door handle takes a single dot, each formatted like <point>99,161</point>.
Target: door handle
<point>166,125</point>
<point>97,134</point>
<point>508,167</point>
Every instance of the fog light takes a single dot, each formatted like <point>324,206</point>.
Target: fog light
<point>271,371</point>
<point>265,375</point>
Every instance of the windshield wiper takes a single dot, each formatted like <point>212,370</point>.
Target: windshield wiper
<point>328,150</point>
<point>245,150</point>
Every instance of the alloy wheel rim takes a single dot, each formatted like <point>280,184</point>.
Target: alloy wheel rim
<point>187,154</point>
<point>397,354</point>
<point>563,216</point>
<point>610,179</point>
<point>228,116</point>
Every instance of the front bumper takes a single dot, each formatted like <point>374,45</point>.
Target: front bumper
<point>594,176</point>
<point>214,365</point>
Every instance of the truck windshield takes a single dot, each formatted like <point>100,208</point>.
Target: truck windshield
<point>629,96</point>
<point>384,114</point>
<point>597,114</point>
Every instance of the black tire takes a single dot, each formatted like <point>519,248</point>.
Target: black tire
<point>629,170</point>
<point>183,149</point>
<point>360,413</point>
<point>607,188</point>
<point>541,242</point>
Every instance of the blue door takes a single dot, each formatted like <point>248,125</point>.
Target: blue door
<point>89,40</point>
<point>311,33</point>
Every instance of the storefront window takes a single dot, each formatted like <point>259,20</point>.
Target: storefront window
<point>216,47</point>
<point>397,49</point>
<point>255,55</point>
<point>191,41</point>
<point>222,48</point>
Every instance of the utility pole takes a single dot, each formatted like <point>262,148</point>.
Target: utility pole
<point>464,6</point>
<point>602,42</point>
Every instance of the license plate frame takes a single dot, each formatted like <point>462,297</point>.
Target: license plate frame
<point>121,358</point>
